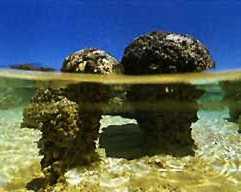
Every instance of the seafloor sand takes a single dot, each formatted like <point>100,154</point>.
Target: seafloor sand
<point>215,167</point>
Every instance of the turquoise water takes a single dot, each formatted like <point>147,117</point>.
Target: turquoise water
<point>214,167</point>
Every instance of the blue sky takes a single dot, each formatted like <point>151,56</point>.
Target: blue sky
<point>45,31</point>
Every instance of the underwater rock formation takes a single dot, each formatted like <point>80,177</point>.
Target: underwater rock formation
<point>158,53</point>
<point>51,112</point>
<point>232,95</point>
<point>69,118</point>
<point>32,117</point>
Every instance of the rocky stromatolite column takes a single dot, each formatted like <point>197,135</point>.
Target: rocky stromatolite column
<point>167,125</point>
<point>232,98</point>
<point>69,117</point>
<point>91,97</point>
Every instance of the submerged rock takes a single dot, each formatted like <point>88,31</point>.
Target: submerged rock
<point>232,95</point>
<point>69,118</point>
<point>162,52</point>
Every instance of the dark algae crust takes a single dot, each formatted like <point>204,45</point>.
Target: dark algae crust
<point>232,92</point>
<point>91,60</point>
<point>164,52</point>
<point>70,129</point>
<point>166,130</point>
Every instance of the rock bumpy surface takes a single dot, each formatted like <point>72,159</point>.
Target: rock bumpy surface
<point>91,61</point>
<point>163,52</point>
<point>69,118</point>
<point>157,53</point>
<point>69,126</point>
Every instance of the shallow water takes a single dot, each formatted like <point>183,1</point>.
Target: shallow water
<point>124,167</point>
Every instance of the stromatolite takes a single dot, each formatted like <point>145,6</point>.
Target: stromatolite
<point>166,125</point>
<point>232,95</point>
<point>69,118</point>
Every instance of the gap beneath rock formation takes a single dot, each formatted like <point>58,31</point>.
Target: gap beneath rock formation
<point>122,138</point>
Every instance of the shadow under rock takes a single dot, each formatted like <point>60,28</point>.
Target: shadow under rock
<point>36,184</point>
<point>128,141</point>
<point>122,141</point>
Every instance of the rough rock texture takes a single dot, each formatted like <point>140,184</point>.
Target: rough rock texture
<point>166,127</point>
<point>43,97</point>
<point>69,118</point>
<point>58,119</point>
<point>162,52</point>
<point>91,61</point>
<point>166,122</point>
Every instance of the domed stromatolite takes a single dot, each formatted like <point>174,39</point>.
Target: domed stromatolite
<point>163,52</point>
<point>91,61</point>
<point>69,118</point>
<point>166,126</point>
<point>94,61</point>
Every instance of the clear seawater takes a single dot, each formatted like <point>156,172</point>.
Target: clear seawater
<point>215,167</point>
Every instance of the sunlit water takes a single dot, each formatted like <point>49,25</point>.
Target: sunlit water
<point>215,166</point>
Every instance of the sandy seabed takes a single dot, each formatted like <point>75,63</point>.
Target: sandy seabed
<point>215,166</point>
